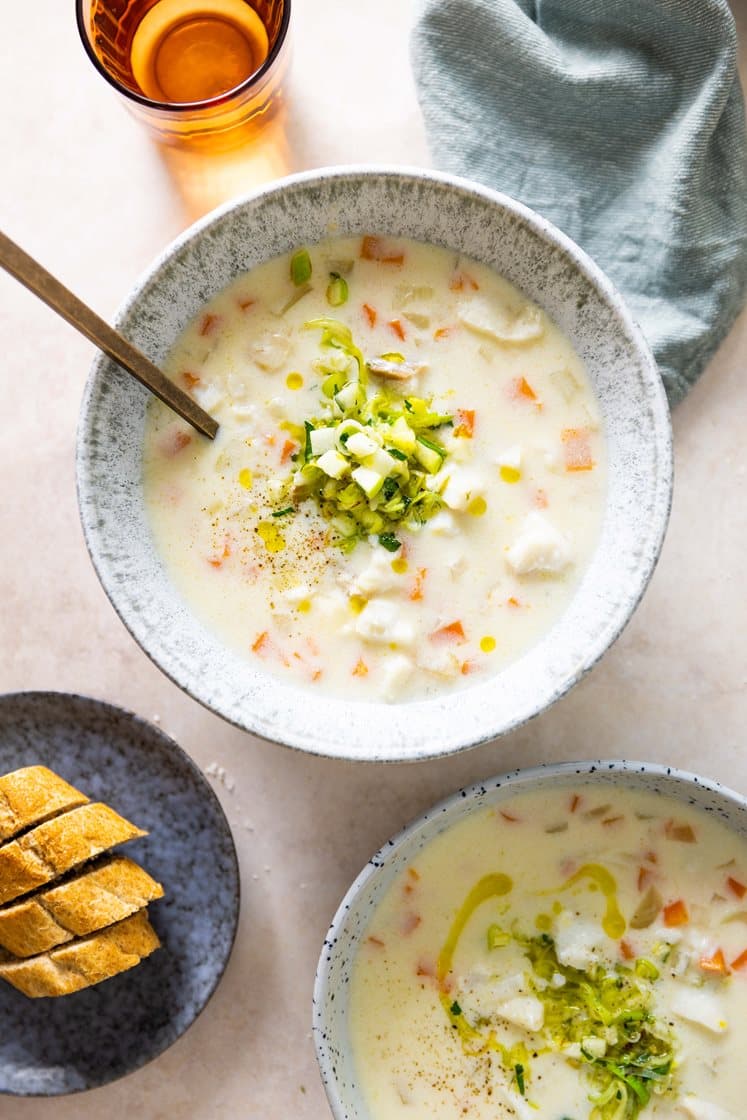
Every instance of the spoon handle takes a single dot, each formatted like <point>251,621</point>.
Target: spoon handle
<point>31,274</point>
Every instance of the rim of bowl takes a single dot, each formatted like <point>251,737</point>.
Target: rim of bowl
<point>531,775</point>
<point>388,746</point>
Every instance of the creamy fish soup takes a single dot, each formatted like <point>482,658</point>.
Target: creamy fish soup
<point>562,956</point>
<point>409,475</point>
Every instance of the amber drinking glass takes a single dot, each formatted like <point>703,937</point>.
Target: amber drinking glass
<point>198,73</point>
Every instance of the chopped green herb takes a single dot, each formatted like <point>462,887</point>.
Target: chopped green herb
<point>389,542</point>
<point>397,454</point>
<point>519,1071</point>
<point>337,290</point>
<point>455,1008</point>
<point>300,267</point>
<point>282,512</point>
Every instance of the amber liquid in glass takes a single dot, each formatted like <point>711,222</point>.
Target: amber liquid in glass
<point>181,51</point>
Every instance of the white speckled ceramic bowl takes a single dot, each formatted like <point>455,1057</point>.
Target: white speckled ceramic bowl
<point>553,272</point>
<point>332,985</point>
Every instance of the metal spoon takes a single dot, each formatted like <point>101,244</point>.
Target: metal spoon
<point>31,274</point>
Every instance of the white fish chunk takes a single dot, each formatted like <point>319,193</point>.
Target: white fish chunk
<point>703,1110</point>
<point>701,1006</point>
<point>523,1011</point>
<point>396,673</point>
<point>377,576</point>
<point>396,371</point>
<point>540,547</point>
<point>579,944</point>
<point>462,487</point>
<point>381,623</point>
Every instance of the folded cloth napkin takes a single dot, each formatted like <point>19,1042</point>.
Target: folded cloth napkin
<point>621,122</point>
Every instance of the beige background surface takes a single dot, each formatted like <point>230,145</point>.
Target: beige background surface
<point>83,189</point>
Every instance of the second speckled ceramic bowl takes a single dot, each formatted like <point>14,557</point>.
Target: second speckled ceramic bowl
<point>550,270</point>
<point>349,925</point>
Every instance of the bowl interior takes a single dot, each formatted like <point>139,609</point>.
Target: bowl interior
<point>330,1022</point>
<point>550,270</point>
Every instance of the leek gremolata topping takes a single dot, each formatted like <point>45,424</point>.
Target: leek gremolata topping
<point>368,456</point>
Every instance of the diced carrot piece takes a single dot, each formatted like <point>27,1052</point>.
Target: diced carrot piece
<point>209,323</point>
<point>737,888</point>
<point>540,499</point>
<point>626,951</point>
<point>190,379</point>
<point>467,667</point>
<point>174,440</point>
<point>375,941</point>
<point>675,914</point>
<point>682,832</point>
<point>465,422</point>
<point>245,304</point>
<point>409,923</point>
<point>520,387</point>
<point>575,802</point>
<point>416,591</point>
<point>740,961</point>
<point>454,632</point>
<point>260,642</point>
<point>370,314</point>
<point>512,601</point>
<point>377,249</point>
<point>288,448</point>
<point>398,329</point>
<point>442,332</point>
<point>715,964</point>
<point>360,669</point>
<point>577,449</point>
<point>508,816</point>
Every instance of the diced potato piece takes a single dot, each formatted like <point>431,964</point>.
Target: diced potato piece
<point>566,384</point>
<point>482,317</point>
<point>540,547</point>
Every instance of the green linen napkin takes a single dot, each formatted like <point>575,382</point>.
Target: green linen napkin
<point>623,123</point>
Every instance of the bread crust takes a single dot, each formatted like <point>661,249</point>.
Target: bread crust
<point>98,897</point>
<point>84,962</point>
<point>31,795</point>
<point>58,845</point>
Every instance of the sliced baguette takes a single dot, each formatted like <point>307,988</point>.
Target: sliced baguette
<point>99,896</point>
<point>32,795</point>
<point>85,962</point>
<point>55,847</point>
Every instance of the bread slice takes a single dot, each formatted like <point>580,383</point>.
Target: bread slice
<point>32,795</point>
<point>85,962</point>
<point>55,847</point>
<point>100,895</point>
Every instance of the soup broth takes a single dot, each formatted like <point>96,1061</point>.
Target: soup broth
<point>409,476</point>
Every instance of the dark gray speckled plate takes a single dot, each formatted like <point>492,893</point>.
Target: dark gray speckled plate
<point>53,1046</point>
